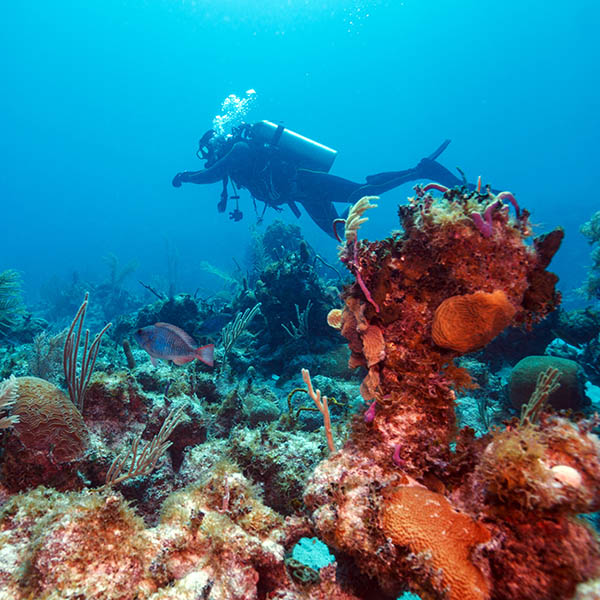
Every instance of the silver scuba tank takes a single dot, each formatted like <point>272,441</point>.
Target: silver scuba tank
<point>307,152</point>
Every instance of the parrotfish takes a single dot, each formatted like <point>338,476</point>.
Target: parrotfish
<point>169,342</point>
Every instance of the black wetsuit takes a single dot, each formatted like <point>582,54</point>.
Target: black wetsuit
<point>276,180</point>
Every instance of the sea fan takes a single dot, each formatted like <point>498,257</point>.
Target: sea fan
<point>10,299</point>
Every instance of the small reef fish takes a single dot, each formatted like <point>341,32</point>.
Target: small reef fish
<point>169,342</point>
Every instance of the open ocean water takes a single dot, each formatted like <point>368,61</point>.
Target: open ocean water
<point>103,102</point>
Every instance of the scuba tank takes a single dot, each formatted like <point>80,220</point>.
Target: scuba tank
<point>307,152</point>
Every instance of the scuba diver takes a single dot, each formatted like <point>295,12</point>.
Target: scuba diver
<point>279,167</point>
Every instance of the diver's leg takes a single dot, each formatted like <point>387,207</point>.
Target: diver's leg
<point>323,186</point>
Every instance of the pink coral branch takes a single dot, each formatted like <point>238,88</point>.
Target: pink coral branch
<point>396,456</point>
<point>510,198</point>
<point>335,224</point>
<point>435,186</point>
<point>484,223</point>
<point>360,280</point>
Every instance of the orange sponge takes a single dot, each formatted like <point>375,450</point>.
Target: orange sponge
<point>469,322</point>
<point>428,525</point>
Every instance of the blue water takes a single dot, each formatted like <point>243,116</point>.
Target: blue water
<point>103,101</point>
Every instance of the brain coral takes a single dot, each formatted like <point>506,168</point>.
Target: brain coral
<point>466,323</point>
<point>427,524</point>
<point>570,393</point>
<point>48,421</point>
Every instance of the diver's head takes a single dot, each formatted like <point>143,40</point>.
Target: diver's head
<point>213,146</point>
<point>204,144</point>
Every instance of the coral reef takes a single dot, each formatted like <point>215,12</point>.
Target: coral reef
<point>360,497</point>
<point>591,231</point>
<point>188,482</point>
<point>215,540</point>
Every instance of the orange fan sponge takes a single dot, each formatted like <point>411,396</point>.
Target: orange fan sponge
<point>469,322</point>
<point>430,527</point>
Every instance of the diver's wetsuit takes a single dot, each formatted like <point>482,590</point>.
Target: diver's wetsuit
<point>275,180</point>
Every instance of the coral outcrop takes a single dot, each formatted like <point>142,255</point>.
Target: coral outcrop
<point>461,271</point>
<point>215,540</point>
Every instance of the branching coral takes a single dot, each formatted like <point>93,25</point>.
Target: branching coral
<point>77,382</point>
<point>355,217</point>
<point>143,462</point>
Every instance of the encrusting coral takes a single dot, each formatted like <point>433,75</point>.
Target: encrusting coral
<point>413,516</point>
<point>215,540</point>
<point>460,272</point>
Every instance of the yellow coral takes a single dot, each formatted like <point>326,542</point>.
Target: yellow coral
<point>355,217</point>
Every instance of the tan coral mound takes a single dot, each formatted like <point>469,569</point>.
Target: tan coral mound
<point>48,421</point>
<point>426,523</point>
<point>466,323</point>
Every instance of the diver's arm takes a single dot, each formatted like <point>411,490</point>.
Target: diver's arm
<point>239,154</point>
